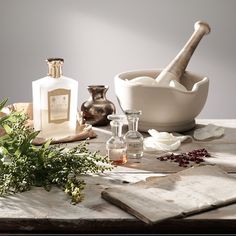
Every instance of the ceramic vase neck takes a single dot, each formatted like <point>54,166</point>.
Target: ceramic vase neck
<point>98,91</point>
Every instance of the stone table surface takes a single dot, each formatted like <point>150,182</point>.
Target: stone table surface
<point>39,211</point>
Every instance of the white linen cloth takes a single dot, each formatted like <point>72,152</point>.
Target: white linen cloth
<point>163,141</point>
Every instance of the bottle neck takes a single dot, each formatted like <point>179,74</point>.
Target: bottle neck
<point>133,124</point>
<point>116,129</point>
<point>97,92</point>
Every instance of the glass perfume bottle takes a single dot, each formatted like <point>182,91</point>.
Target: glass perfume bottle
<point>55,102</point>
<point>115,146</point>
<point>133,139</point>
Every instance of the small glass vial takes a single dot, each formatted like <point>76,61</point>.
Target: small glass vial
<point>133,139</point>
<point>115,146</point>
<point>55,102</point>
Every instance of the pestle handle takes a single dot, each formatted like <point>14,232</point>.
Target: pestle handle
<point>177,66</point>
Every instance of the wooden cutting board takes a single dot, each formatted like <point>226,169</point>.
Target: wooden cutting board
<point>174,196</point>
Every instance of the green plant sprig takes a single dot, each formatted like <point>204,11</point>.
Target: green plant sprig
<point>23,165</point>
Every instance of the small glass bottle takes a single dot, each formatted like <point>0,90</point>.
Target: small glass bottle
<point>115,146</point>
<point>55,102</point>
<point>133,139</point>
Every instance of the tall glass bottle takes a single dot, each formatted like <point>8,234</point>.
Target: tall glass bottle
<point>55,102</point>
<point>133,139</point>
<point>115,146</point>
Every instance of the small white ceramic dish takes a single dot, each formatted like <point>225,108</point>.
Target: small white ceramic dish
<point>163,108</point>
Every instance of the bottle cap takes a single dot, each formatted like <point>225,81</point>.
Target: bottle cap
<point>133,112</point>
<point>54,66</point>
<point>115,117</point>
<point>52,59</point>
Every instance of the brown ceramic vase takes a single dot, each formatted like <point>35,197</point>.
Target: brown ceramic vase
<point>96,109</point>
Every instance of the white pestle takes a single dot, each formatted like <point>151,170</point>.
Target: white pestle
<point>171,75</point>
<point>177,85</point>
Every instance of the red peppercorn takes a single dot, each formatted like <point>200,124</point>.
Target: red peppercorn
<point>184,159</point>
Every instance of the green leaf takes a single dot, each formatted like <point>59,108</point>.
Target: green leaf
<point>7,128</point>
<point>3,103</point>
<point>2,119</point>
<point>26,143</point>
<point>46,145</point>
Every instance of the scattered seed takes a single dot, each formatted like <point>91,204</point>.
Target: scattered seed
<point>184,159</point>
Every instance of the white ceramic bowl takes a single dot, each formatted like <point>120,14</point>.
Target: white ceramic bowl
<point>163,108</point>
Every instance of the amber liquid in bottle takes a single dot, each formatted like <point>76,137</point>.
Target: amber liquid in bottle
<point>115,146</point>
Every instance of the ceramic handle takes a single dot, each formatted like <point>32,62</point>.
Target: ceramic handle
<point>177,66</point>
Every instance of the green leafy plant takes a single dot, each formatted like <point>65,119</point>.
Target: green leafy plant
<point>23,165</point>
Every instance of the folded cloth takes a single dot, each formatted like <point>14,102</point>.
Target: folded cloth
<point>208,131</point>
<point>163,141</point>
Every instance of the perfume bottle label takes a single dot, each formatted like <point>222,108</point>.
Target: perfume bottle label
<point>59,105</point>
